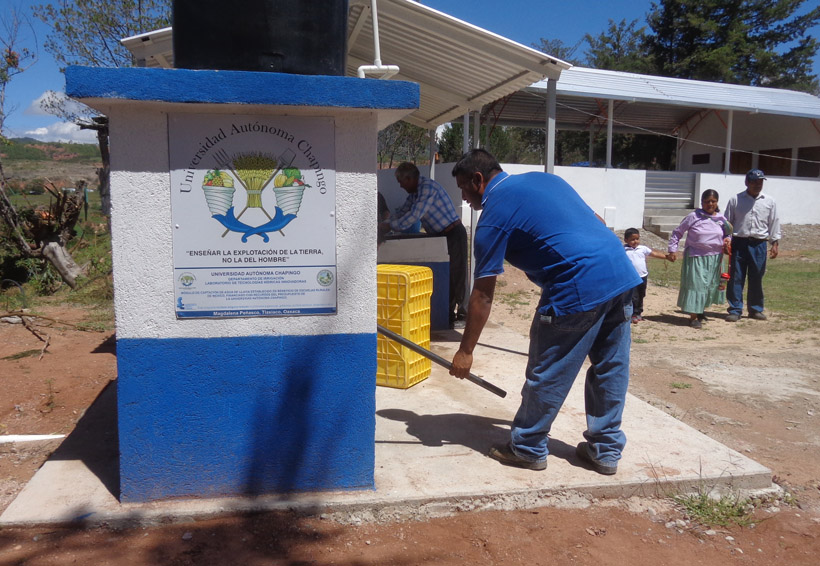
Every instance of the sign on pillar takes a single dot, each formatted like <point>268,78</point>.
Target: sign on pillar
<point>253,211</point>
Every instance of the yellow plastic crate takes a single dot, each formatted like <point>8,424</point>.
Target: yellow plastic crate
<point>404,307</point>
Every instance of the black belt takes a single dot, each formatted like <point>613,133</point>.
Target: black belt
<point>750,238</point>
<point>451,226</point>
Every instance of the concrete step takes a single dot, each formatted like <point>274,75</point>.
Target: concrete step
<point>662,222</point>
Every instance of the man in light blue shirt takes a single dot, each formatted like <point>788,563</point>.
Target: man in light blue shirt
<point>429,203</point>
<point>756,223</point>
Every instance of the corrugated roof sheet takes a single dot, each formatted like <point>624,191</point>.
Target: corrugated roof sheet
<point>631,87</point>
<point>459,67</point>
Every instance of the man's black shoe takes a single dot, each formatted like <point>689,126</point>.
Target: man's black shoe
<point>583,451</point>
<point>504,454</point>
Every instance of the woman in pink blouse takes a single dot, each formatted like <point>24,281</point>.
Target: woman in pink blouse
<point>708,235</point>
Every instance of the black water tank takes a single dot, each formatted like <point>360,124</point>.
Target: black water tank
<point>283,36</point>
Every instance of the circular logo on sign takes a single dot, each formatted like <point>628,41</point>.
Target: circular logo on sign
<point>187,279</point>
<point>325,278</point>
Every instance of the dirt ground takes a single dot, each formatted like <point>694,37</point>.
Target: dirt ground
<point>751,385</point>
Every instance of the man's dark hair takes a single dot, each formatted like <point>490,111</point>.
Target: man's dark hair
<point>407,170</point>
<point>476,161</point>
<point>630,232</point>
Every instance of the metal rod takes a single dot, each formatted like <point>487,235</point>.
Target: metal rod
<point>438,359</point>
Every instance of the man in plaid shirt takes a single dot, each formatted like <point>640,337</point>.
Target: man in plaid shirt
<point>428,202</point>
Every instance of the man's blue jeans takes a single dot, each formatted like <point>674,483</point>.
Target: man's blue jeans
<point>559,346</point>
<point>748,259</point>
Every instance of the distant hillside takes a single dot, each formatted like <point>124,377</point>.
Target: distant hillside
<point>27,160</point>
<point>34,150</point>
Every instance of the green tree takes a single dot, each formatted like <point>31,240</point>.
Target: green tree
<point>751,42</point>
<point>450,144</point>
<point>622,47</point>
<point>402,141</point>
<point>557,48</point>
<point>15,58</point>
<point>88,32</point>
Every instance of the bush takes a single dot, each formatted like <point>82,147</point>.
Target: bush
<point>36,186</point>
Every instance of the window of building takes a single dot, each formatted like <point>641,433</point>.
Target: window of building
<point>777,162</point>
<point>740,163</point>
<point>808,161</point>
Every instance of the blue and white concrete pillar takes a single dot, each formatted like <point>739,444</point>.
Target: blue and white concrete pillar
<point>244,246</point>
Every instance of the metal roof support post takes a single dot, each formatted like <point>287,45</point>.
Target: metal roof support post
<point>465,140</point>
<point>726,167</point>
<point>609,112</point>
<point>549,142</point>
<point>465,147</point>
<point>476,130</point>
<point>432,150</point>
<point>678,147</point>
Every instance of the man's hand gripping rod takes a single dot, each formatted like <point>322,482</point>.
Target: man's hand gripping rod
<point>438,359</point>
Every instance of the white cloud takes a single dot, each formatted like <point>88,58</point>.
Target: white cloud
<point>71,107</point>
<point>62,132</point>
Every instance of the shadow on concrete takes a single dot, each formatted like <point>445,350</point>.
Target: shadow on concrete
<point>445,336</point>
<point>500,349</point>
<point>95,440</point>
<point>471,431</point>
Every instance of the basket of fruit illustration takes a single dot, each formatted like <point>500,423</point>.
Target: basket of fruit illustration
<point>289,187</point>
<point>219,189</point>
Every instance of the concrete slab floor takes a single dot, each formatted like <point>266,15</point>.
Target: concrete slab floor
<point>431,446</point>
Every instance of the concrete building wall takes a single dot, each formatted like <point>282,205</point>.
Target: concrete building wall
<point>752,133</point>
<point>618,194</point>
<point>798,200</point>
<point>615,194</point>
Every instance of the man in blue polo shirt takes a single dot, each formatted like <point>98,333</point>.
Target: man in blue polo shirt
<point>539,224</point>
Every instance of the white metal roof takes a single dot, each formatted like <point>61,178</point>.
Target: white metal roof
<point>659,104</point>
<point>632,87</point>
<point>459,67</point>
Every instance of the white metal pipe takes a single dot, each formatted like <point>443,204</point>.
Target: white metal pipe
<point>385,71</point>
<point>376,48</point>
<point>610,110</point>
<point>549,146</point>
<point>465,138</point>
<point>729,125</point>
<point>10,438</point>
<point>432,150</point>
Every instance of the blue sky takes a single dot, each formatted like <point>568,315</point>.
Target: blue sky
<point>523,21</point>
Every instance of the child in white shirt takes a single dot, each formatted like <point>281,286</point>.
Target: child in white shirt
<point>638,254</point>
